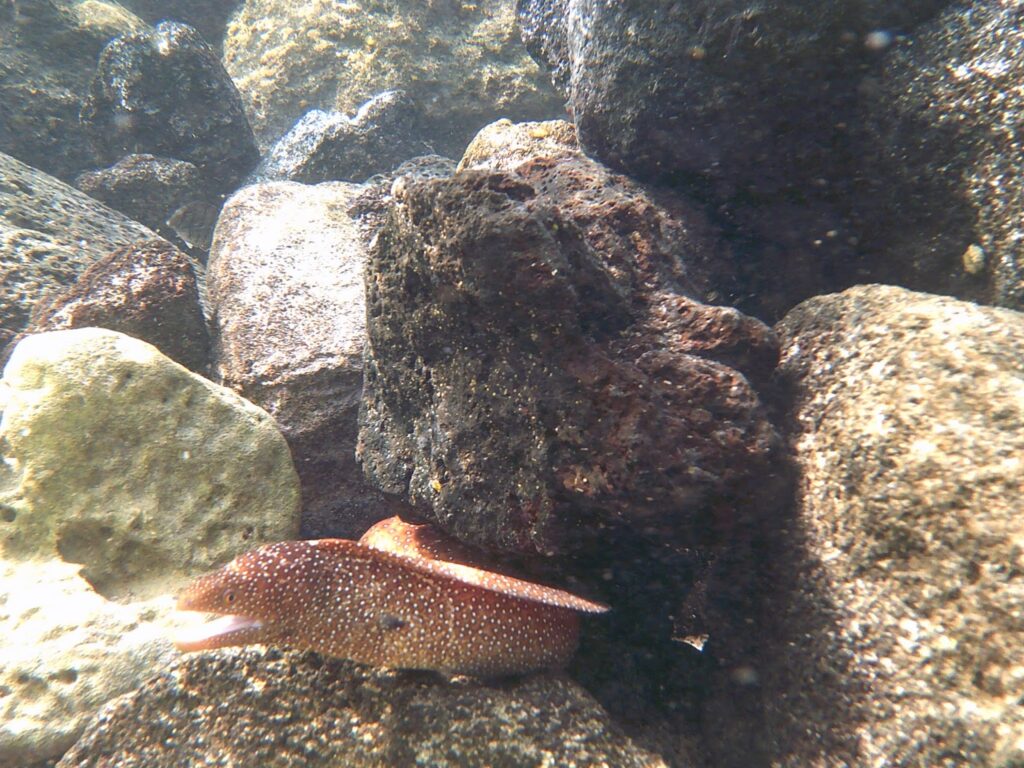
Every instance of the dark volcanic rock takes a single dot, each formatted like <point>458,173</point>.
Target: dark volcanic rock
<point>509,387</point>
<point>285,282</point>
<point>147,290</point>
<point>49,234</point>
<point>329,146</point>
<point>149,189</point>
<point>165,92</point>
<point>285,710</point>
<point>888,632</point>
<point>941,199</point>
<point>747,105</point>
<point>370,207</point>
<point>48,50</point>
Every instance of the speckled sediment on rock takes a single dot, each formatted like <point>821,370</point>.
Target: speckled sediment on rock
<point>122,460</point>
<point>285,710</point>
<point>286,289</point>
<point>49,234</point>
<point>512,383</point>
<point>464,61</point>
<point>47,54</point>
<point>941,196</point>
<point>892,633</point>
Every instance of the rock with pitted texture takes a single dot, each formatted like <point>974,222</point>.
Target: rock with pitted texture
<point>286,710</point>
<point>164,92</point>
<point>49,234</point>
<point>285,287</point>
<point>517,384</point>
<point>463,61</point>
<point>48,50</point>
<point>539,379</point>
<point>940,196</point>
<point>748,104</point>
<point>147,290</point>
<point>889,630</point>
<point>120,459</point>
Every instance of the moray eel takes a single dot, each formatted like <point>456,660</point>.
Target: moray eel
<point>396,598</point>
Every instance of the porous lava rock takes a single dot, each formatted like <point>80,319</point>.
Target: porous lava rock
<point>291,709</point>
<point>539,379</point>
<point>517,381</point>
<point>164,92</point>
<point>149,189</point>
<point>147,290</point>
<point>746,105</point>
<point>48,51</point>
<point>888,630</point>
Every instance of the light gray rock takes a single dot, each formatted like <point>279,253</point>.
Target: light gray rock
<point>291,709</point>
<point>894,636</point>
<point>463,61</point>
<point>49,234</point>
<point>286,292</point>
<point>116,457</point>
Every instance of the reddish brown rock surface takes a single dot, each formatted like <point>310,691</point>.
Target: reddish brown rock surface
<point>147,290</point>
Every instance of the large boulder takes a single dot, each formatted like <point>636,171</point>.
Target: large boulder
<point>464,62</point>
<point>48,51</point>
<point>123,475</point>
<point>891,630</point>
<point>164,91</point>
<point>286,292</point>
<point>542,378</point>
<point>288,710</point>
<point>118,458</point>
<point>940,195</point>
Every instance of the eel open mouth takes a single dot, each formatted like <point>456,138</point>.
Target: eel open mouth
<point>231,629</point>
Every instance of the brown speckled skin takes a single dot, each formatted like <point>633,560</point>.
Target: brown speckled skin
<point>344,599</point>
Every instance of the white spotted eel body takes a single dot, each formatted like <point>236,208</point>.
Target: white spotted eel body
<point>388,602</point>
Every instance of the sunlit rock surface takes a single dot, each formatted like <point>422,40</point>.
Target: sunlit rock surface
<point>64,651</point>
<point>286,288</point>
<point>891,630</point>
<point>464,61</point>
<point>293,710</point>
<point>123,466</point>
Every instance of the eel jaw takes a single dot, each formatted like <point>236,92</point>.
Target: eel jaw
<point>225,630</point>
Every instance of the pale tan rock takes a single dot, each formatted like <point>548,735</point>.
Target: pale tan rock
<point>895,635</point>
<point>122,460</point>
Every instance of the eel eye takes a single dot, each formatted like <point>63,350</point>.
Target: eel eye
<point>229,596</point>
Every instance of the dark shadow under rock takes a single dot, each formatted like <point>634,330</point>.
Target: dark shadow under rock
<point>284,709</point>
